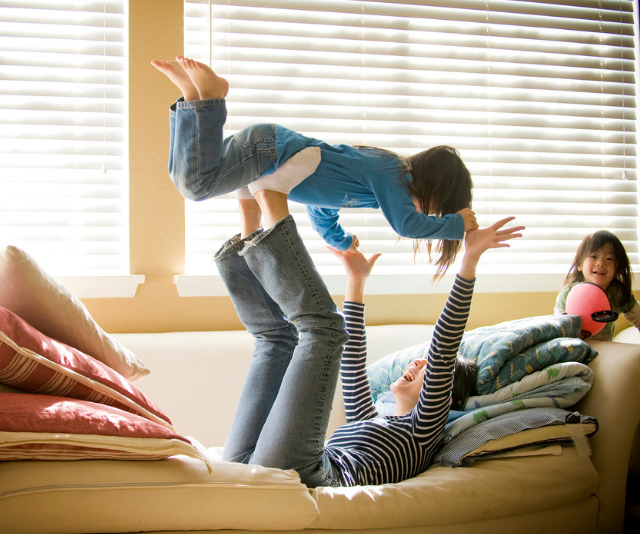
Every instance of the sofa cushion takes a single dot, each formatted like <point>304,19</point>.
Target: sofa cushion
<point>490,489</point>
<point>33,362</point>
<point>28,291</point>
<point>165,495</point>
<point>44,427</point>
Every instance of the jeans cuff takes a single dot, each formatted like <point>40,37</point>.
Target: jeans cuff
<point>254,239</point>
<point>181,103</point>
<point>235,244</point>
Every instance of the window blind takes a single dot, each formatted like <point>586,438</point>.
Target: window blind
<point>63,170</point>
<point>538,97</point>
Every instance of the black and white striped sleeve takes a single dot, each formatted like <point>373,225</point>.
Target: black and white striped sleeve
<point>356,393</point>
<point>435,396</point>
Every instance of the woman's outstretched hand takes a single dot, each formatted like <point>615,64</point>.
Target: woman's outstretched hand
<point>358,268</point>
<point>477,242</point>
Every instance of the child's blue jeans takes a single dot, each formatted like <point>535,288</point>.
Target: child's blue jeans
<point>202,163</point>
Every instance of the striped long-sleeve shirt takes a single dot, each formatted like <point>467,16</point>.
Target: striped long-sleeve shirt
<point>370,449</point>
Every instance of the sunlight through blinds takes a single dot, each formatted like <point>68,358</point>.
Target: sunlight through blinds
<point>538,97</point>
<point>63,170</point>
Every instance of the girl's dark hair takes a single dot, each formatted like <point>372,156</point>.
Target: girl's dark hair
<point>596,241</point>
<point>442,184</point>
<point>464,382</point>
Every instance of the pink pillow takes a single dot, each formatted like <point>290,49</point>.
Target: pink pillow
<point>33,362</point>
<point>46,427</point>
<point>49,306</point>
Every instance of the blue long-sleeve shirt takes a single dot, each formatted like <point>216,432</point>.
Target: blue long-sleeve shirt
<point>350,177</point>
<point>370,449</point>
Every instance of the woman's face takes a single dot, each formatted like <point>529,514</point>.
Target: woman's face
<point>599,267</point>
<point>408,386</point>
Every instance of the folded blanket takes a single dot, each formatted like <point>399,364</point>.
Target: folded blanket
<point>505,352</point>
<point>558,386</point>
<point>517,430</point>
<point>508,351</point>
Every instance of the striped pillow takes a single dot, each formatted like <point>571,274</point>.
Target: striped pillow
<point>33,362</point>
<point>47,305</point>
<point>46,427</point>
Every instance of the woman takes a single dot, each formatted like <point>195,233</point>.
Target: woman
<point>284,408</point>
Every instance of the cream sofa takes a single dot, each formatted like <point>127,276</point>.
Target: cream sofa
<point>196,378</point>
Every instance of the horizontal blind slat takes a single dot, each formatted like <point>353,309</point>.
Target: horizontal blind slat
<point>63,171</point>
<point>539,97</point>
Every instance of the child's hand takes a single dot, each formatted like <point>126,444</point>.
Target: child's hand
<point>356,265</point>
<point>469,218</point>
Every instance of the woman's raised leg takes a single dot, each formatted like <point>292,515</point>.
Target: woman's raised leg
<point>275,340</point>
<point>294,433</point>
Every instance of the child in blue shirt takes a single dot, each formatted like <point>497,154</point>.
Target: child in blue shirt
<point>424,197</point>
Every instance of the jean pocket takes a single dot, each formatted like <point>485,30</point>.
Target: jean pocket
<point>256,134</point>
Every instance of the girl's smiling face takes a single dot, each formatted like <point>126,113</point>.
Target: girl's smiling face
<point>599,266</point>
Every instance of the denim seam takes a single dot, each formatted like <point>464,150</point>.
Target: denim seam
<point>263,234</point>
<point>198,152</point>
<point>235,243</point>
<point>303,269</point>
<point>244,161</point>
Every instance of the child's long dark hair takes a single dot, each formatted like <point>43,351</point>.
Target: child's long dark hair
<point>442,184</point>
<point>596,241</point>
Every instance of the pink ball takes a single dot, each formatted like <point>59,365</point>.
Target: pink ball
<point>590,301</point>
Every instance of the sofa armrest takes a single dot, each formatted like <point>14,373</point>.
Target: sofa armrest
<point>614,400</point>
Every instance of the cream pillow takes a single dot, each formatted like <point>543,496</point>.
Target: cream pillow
<point>48,306</point>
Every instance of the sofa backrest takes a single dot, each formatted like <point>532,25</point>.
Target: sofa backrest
<point>196,377</point>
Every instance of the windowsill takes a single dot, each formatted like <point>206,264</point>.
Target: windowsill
<point>100,287</point>
<point>212,286</point>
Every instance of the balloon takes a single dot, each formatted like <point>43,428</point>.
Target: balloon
<point>590,302</point>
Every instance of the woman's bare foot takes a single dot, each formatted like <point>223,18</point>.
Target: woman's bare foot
<point>207,82</point>
<point>179,77</point>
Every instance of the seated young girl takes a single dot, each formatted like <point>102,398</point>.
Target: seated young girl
<point>601,259</point>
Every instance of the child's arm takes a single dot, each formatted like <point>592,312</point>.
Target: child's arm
<point>355,385</point>
<point>633,315</point>
<point>561,301</point>
<point>396,204</point>
<point>325,221</point>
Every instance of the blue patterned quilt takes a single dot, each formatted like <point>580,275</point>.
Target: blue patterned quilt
<point>508,351</point>
<point>505,352</point>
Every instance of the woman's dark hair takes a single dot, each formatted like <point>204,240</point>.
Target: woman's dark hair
<point>442,184</point>
<point>596,241</point>
<point>464,382</point>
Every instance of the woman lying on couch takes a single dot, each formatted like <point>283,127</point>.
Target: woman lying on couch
<point>283,411</point>
<point>284,407</point>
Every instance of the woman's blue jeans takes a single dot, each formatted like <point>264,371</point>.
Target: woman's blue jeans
<point>202,163</point>
<point>284,407</point>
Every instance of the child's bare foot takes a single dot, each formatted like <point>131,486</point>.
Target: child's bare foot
<point>207,82</point>
<point>178,76</point>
